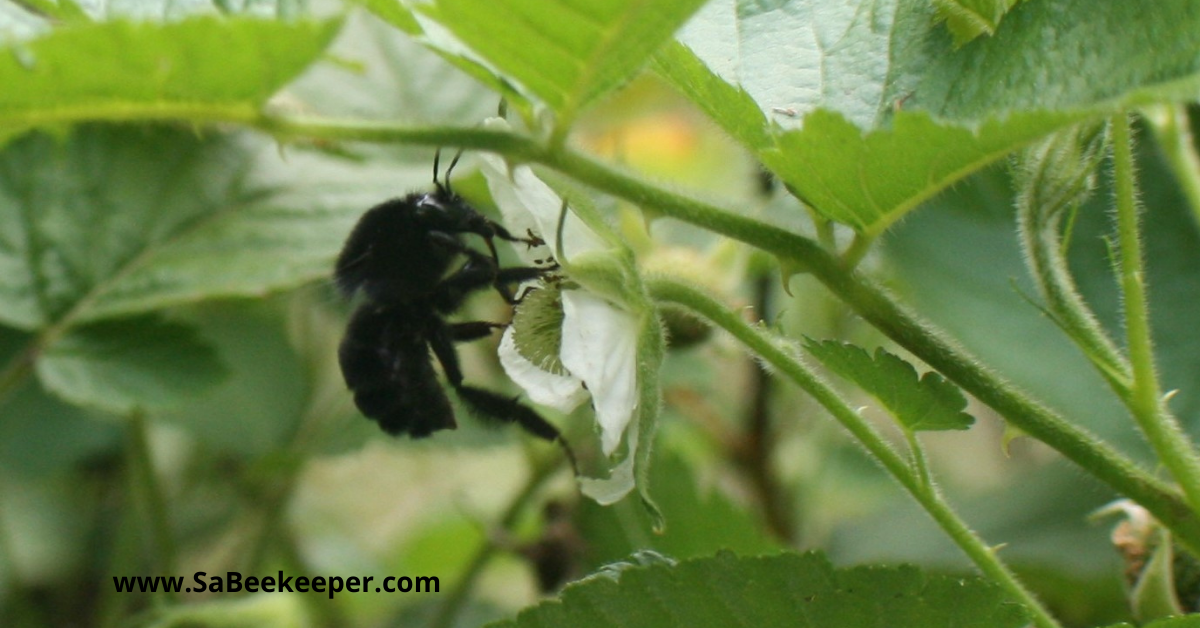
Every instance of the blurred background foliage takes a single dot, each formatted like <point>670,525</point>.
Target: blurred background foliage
<point>266,466</point>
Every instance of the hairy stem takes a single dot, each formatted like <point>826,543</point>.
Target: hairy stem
<point>919,464</point>
<point>1164,433</point>
<point>1046,257</point>
<point>772,350</point>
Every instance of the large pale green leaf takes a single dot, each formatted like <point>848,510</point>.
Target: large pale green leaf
<point>566,52</point>
<point>879,110</point>
<point>396,75</point>
<point>274,394</point>
<point>796,591</point>
<point>928,402</point>
<point>422,93</point>
<point>129,364</point>
<point>795,56</point>
<point>116,221</point>
<point>202,67</point>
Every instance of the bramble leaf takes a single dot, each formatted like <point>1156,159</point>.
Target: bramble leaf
<point>926,403</point>
<point>118,221</point>
<point>567,53</point>
<point>792,590</point>
<point>121,70</point>
<point>130,364</point>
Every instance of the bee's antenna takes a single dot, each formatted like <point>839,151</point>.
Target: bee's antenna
<point>437,157</point>
<point>453,163</point>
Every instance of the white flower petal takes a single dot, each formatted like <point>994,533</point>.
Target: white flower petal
<point>599,346</point>
<point>528,204</point>
<point>561,392</point>
<point>620,481</point>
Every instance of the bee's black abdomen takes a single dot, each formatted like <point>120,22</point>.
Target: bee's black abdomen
<point>385,361</point>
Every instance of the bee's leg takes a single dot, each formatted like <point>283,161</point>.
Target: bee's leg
<point>515,275</point>
<point>491,406</point>
<point>441,340</point>
<point>474,330</point>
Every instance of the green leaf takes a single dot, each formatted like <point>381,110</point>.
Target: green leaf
<point>264,401</point>
<point>926,403</point>
<point>870,180</point>
<point>1065,56</point>
<point>968,19</point>
<point>201,67</point>
<point>731,106</point>
<point>878,111</point>
<point>790,590</point>
<point>566,53</point>
<point>130,364</point>
<point>115,221</point>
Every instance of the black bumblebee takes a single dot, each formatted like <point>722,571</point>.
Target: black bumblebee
<point>401,255</point>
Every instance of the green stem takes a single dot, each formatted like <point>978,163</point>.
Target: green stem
<point>858,249</point>
<point>859,292</point>
<point>454,601</point>
<point>1164,433</point>
<point>919,464</point>
<point>1045,255</point>
<point>147,493</point>
<point>771,349</point>
<point>1174,135</point>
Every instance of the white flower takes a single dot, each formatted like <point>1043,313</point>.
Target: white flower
<point>599,339</point>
